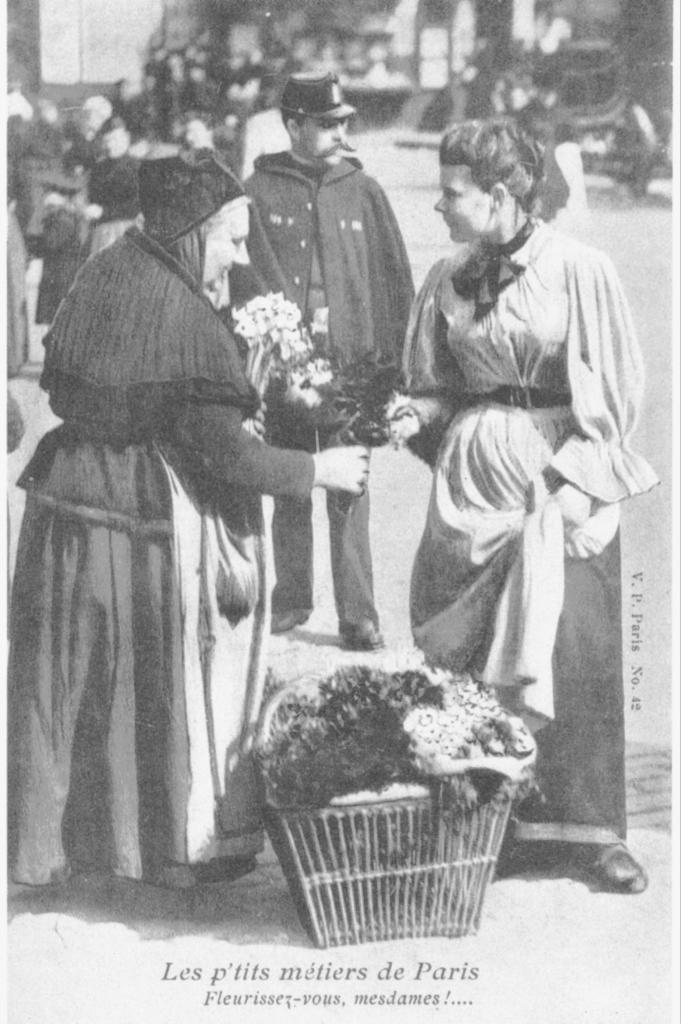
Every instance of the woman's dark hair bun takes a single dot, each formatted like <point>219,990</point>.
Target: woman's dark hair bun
<point>497,151</point>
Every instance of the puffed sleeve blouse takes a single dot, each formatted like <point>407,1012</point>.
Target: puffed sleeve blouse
<point>487,584</point>
<point>564,325</point>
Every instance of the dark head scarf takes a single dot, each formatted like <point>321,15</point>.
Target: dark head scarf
<point>179,193</point>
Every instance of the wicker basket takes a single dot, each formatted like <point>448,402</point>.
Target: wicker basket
<point>379,866</point>
<point>393,869</point>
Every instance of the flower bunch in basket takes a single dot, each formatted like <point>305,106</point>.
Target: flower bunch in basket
<point>364,729</point>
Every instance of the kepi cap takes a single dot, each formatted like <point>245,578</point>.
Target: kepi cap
<point>315,96</point>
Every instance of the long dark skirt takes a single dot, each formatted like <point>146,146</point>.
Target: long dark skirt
<point>112,760</point>
<point>581,766</point>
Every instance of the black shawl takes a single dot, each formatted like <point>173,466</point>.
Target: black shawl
<point>134,337</point>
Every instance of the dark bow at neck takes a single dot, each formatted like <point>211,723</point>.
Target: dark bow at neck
<point>490,270</point>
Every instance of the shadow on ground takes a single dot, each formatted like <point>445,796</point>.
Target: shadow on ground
<point>255,909</point>
<point>316,639</point>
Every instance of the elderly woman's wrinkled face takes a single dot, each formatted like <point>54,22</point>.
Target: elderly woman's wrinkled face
<point>225,246</point>
<point>468,212</point>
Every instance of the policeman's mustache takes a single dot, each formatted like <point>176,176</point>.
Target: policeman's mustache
<point>346,147</point>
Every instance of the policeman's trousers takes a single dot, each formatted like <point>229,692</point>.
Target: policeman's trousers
<point>350,557</point>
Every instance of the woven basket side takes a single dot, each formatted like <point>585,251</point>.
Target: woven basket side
<point>399,870</point>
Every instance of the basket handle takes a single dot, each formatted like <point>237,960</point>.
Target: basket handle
<point>306,686</point>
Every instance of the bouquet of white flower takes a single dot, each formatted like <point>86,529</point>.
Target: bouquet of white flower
<point>346,400</point>
<point>277,342</point>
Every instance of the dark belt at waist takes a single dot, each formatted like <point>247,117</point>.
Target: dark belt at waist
<point>520,397</point>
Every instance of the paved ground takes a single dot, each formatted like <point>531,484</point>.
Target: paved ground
<point>549,950</point>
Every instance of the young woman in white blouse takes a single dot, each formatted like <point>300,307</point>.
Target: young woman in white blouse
<point>521,355</point>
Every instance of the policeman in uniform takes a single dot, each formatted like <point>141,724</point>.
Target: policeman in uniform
<point>340,252</point>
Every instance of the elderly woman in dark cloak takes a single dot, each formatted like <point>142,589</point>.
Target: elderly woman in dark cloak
<point>139,604</point>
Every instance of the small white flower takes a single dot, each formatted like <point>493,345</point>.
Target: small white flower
<point>417,717</point>
<point>320,373</point>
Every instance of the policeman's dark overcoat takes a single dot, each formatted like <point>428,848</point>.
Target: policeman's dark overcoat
<point>367,277</point>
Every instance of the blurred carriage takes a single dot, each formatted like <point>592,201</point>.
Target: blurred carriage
<point>583,92</point>
<point>585,88</point>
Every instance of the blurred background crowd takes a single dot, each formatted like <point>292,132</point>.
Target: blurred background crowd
<point>592,75</point>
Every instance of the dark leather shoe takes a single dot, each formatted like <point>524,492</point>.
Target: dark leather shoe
<point>282,622</point>
<point>615,870</point>
<point>524,858</point>
<point>361,636</point>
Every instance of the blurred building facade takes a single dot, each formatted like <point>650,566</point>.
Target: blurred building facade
<point>394,56</point>
<point>65,47</point>
<point>67,44</point>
